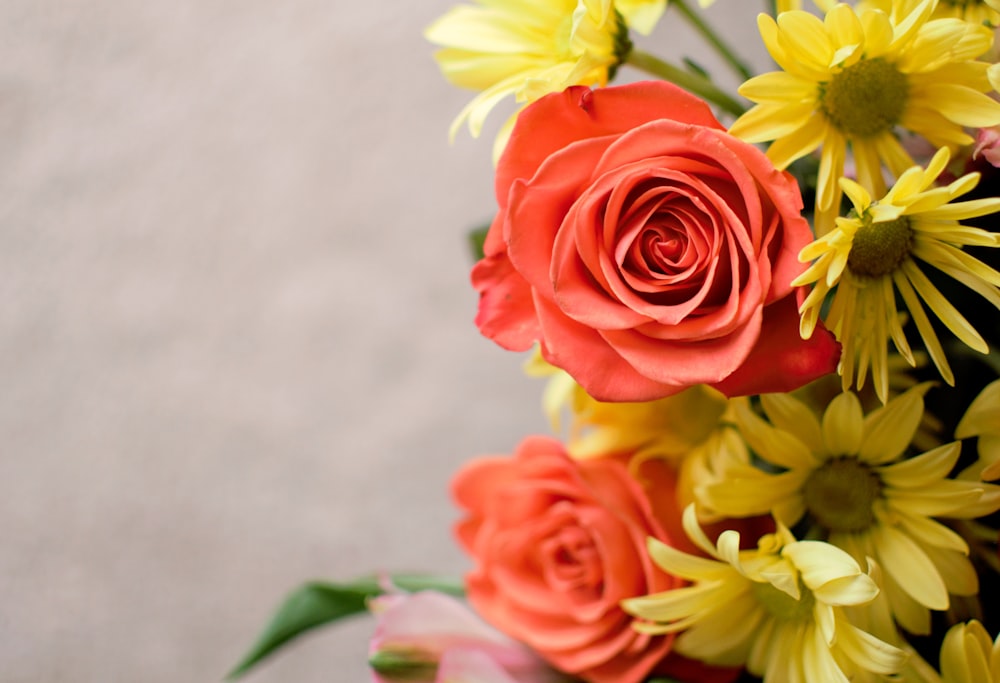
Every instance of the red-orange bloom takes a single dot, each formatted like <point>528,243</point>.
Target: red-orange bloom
<point>558,544</point>
<point>646,249</point>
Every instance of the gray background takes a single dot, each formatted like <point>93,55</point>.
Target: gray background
<point>236,327</point>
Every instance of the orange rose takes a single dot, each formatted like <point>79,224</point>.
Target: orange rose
<point>646,249</point>
<point>558,544</point>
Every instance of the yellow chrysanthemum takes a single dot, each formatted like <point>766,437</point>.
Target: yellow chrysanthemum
<point>976,11</point>
<point>969,656</point>
<point>778,609</point>
<point>789,5</point>
<point>982,420</point>
<point>874,253</point>
<point>693,431</point>
<point>526,48</point>
<point>853,79</point>
<point>847,474</point>
<point>669,427</point>
<point>641,15</point>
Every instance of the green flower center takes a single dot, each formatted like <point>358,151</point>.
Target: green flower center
<point>864,99</point>
<point>880,248</point>
<point>841,494</point>
<point>782,605</point>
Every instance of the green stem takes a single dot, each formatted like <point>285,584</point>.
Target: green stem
<point>714,39</point>
<point>698,85</point>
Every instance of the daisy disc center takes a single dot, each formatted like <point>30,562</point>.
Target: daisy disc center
<point>841,493</point>
<point>865,99</point>
<point>879,248</point>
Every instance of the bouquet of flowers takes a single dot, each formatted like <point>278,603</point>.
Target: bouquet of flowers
<point>764,319</point>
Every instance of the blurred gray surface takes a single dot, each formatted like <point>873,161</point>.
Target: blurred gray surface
<point>238,348</point>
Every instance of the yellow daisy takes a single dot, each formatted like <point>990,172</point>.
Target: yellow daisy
<point>969,656</point>
<point>693,431</point>
<point>526,48</point>
<point>977,11</point>
<point>982,419</point>
<point>641,15</point>
<point>669,427</point>
<point>874,253</point>
<point>789,5</point>
<point>778,608</point>
<point>847,475</point>
<point>854,78</point>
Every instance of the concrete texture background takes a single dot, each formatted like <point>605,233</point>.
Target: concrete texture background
<point>237,339</point>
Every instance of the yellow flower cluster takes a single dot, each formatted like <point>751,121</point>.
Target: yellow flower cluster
<point>879,507</point>
<point>851,481</point>
<point>865,85</point>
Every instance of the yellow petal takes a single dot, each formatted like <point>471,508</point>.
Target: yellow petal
<point>960,104</point>
<point>842,424</point>
<point>983,415</point>
<point>910,567</point>
<point>889,430</point>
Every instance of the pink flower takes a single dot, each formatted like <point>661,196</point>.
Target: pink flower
<point>988,146</point>
<point>430,637</point>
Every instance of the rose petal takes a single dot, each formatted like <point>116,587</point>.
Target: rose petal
<point>781,360</point>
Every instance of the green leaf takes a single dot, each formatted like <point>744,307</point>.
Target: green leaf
<point>318,603</point>
<point>312,605</point>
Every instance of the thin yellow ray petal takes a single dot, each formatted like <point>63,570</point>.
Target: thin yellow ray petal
<point>924,326</point>
<point>895,328</point>
<point>957,211</point>
<point>893,154</point>
<point>939,254</point>
<point>943,309</point>
<point>831,168</point>
<point>686,566</point>
<point>868,167</point>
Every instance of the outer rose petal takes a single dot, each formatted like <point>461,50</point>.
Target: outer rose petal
<point>557,120</point>
<point>587,355</point>
<point>783,361</point>
<point>506,314</point>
